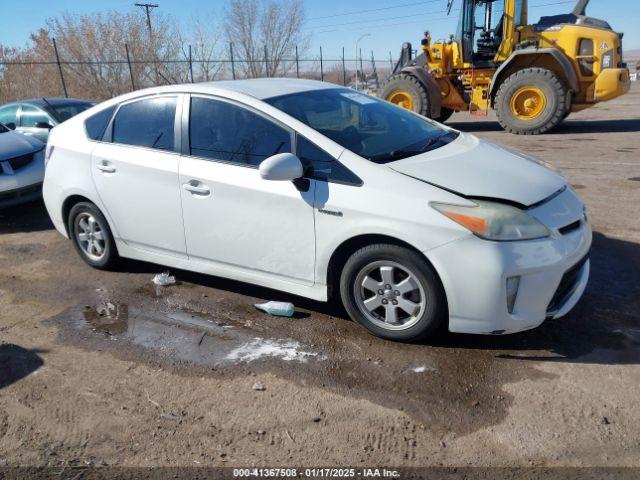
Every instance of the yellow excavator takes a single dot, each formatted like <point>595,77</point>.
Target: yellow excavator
<point>534,76</point>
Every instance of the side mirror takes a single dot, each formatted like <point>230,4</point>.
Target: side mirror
<point>46,125</point>
<point>10,125</point>
<point>283,166</point>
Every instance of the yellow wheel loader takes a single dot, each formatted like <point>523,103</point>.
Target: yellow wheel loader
<point>534,76</point>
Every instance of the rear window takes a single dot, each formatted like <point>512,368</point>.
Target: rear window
<point>96,124</point>
<point>64,111</point>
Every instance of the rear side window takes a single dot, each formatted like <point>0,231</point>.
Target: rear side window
<point>322,166</point>
<point>31,116</point>
<point>96,124</point>
<point>223,131</point>
<point>146,123</point>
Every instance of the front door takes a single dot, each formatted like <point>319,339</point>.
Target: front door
<point>232,217</point>
<point>136,174</point>
<point>32,121</point>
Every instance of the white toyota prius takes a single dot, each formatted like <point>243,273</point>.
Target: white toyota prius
<point>323,192</point>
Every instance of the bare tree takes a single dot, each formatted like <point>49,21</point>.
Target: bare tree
<point>266,34</point>
<point>206,50</point>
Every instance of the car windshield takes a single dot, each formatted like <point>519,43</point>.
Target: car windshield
<point>369,127</point>
<point>64,111</point>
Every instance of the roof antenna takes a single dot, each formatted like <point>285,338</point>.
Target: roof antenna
<point>47,102</point>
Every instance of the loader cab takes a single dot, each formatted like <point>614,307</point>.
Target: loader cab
<point>483,27</point>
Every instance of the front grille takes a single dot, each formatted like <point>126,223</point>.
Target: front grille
<point>21,161</point>
<point>570,228</point>
<point>17,163</point>
<point>567,285</point>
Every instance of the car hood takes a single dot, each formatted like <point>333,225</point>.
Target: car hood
<point>14,144</point>
<point>472,167</point>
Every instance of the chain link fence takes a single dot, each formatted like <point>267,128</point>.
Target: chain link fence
<point>98,79</point>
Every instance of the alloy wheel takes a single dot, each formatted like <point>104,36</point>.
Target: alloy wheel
<point>90,236</point>
<point>389,295</point>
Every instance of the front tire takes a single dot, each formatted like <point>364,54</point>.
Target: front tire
<point>531,101</point>
<point>392,292</point>
<point>406,91</point>
<point>91,235</point>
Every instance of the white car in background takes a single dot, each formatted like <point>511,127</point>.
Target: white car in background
<point>322,191</point>
<point>21,168</point>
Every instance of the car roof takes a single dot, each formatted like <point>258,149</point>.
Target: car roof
<point>263,88</point>
<point>52,101</point>
<point>259,88</point>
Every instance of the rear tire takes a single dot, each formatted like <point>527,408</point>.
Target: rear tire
<point>393,292</point>
<point>406,91</point>
<point>531,101</point>
<point>91,235</point>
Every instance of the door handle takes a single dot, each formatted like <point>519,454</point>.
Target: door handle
<point>105,167</point>
<point>198,188</point>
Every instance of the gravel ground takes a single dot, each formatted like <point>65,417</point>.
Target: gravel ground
<point>103,368</point>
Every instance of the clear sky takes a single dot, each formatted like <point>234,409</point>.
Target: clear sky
<point>331,23</point>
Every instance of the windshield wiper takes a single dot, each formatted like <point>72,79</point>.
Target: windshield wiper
<point>431,142</point>
<point>410,152</point>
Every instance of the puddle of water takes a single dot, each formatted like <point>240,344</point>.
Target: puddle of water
<point>182,335</point>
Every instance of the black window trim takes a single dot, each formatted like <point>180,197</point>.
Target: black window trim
<point>115,106</point>
<point>359,183</point>
<point>186,114</point>
<point>107,136</point>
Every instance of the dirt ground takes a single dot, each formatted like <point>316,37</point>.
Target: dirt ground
<point>103,368</point>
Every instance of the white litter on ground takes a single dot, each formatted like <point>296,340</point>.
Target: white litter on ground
<point>423,368</point>
<point>260,347</point>
<point>164,279</point>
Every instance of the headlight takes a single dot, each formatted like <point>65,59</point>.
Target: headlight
<point>494,221</point>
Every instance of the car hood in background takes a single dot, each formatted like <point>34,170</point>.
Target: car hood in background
<point>14,144</point>
<point>477,168</point>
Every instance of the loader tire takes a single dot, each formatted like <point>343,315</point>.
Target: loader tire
<point>406,91</point>
<point>445,114</point>
<point>531,101</point>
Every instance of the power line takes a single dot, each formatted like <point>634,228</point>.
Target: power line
<point>356,12</point>
<point>379,19</point>
<point>386,24</point>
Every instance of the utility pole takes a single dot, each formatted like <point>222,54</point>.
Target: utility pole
<point>147,7</point>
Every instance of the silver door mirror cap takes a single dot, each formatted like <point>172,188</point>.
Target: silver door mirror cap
<point>283,166</point>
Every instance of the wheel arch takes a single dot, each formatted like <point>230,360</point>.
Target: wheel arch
<point>430,85</point>
<point>549,58</point>
<point>74,199</point>
<point>349,246</point>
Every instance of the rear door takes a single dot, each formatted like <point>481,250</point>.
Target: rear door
<point>233,217</point>
<point>135,170</point>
